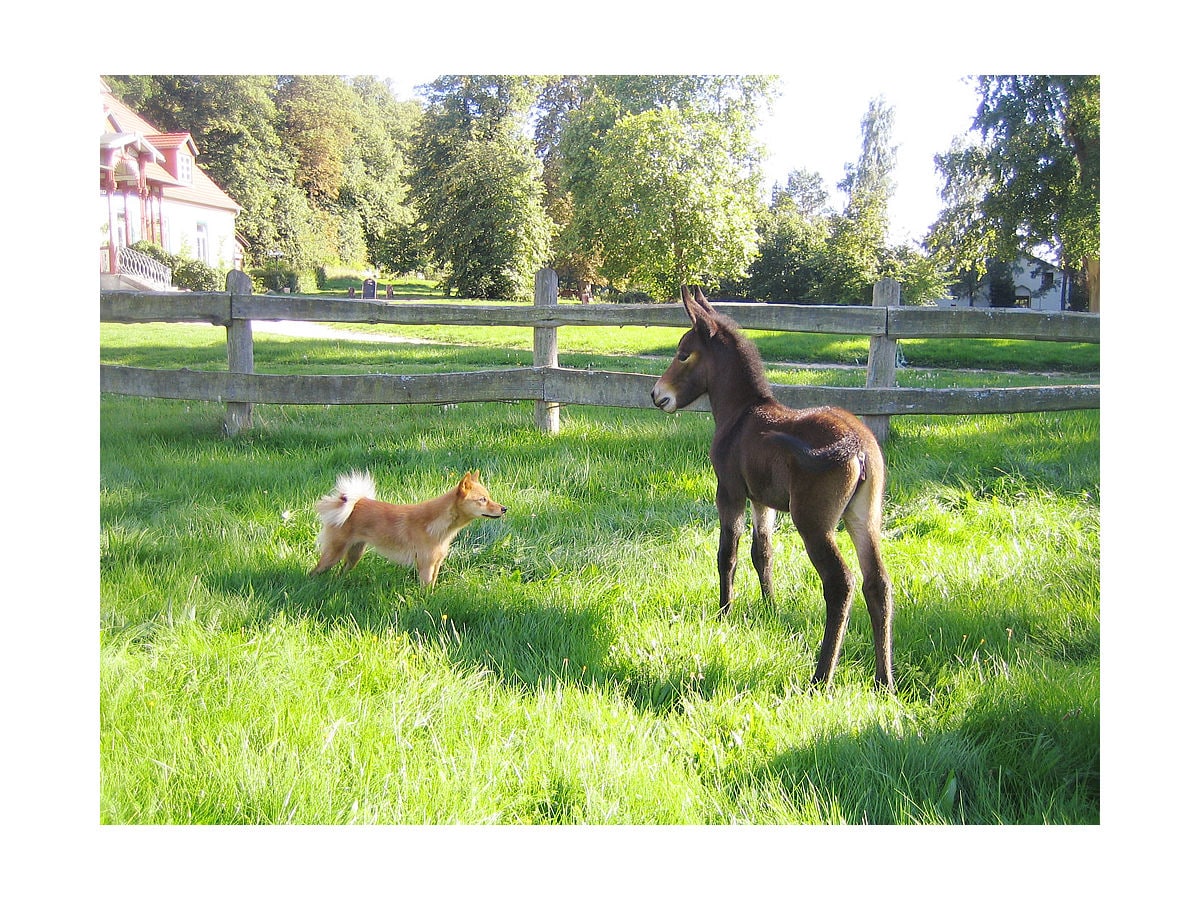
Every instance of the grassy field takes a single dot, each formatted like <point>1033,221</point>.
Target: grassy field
<point>570,666</point>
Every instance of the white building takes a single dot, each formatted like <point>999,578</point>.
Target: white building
<point>1036,284</point>
<point>152,189</point>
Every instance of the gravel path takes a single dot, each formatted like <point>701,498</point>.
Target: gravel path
<point>316,329</point>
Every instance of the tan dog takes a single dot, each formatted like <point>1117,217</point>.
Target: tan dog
<point>417,534</point>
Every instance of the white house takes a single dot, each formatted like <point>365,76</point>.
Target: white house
<point>151,188</point>
<point>1037,284</point>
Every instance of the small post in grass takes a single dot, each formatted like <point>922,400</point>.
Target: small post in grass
<point>881,361</point>
<point>239,343</point>
<point>545,345</point>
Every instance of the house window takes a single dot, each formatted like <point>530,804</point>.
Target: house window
<point>202,241</point>
<point>1047,280</point>
<point>185,168</point>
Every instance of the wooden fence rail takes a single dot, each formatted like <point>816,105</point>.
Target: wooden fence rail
<point>550,385</point>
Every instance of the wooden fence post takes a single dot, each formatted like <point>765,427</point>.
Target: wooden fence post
<point>545,345</point>
<point>881,361</point>
<point>239,343</point>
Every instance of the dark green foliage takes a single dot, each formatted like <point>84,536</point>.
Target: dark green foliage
<point>316,162</point>
<point>276,279</point>
<point>196,275</point>
<point>1033,179</point>
<point>186,272</point>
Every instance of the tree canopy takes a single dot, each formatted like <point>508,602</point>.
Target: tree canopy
<point>317,162</point>
<point>1030,180</point>
<point>636,183</point>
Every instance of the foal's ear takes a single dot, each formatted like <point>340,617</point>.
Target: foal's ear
<point>700,312</point>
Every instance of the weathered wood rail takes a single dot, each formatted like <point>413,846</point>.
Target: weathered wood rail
<point>552,386</point>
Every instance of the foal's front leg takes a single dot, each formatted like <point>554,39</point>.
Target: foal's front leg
<point>732,513</point>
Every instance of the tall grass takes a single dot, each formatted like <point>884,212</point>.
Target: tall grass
<point>570,667</point>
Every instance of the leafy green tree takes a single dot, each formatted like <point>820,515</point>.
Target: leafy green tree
<point>375,190</point>
<point>662,175</point>
<point>858,236</point>
<point>318,118</point>
<point>493,233</point>
<point>922,279</point>
<point>1032,179</point>
<point>477,184</point>
<point>678,208</point>
<point>804,191</point>
<point>791,259</point>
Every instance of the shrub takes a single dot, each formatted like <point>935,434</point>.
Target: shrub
<point>195,275</point>
<point>274,279</point>
<point>633,297</point>
<point>155,252</point>
<point>186,272</point>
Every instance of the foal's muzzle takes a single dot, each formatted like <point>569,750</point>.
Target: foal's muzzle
<point>663,398</point>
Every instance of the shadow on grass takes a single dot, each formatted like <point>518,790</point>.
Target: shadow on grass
<point>1026,751</point>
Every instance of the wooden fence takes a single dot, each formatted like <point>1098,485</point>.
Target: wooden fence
<point>550,385</point>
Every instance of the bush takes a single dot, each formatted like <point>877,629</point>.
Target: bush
<point>195,275</point>
<point>275,279</point>
<point>633,297</point>
<point>155,252</point>
<point>186,273</point>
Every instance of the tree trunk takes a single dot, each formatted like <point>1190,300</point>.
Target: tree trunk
<point>1091,271</point>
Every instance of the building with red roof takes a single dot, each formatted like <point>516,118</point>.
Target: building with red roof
<point>152,189</point>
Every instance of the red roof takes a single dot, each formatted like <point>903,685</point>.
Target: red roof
<point>203,190</point>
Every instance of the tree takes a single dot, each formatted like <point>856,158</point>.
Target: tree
<point>476,184</point>
<point>805,191</point>
<point>375,189</point>
<point>677,209</point>
<point>492,233</point>
<point>319,115</point>
<point>1031,180</point>
<point>791,259</point>
<point>662,173</point>
<point>858,236</point>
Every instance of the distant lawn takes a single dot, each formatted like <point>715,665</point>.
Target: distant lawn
<point>790,347</point>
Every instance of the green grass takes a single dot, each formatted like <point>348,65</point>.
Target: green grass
<point>570,666</point>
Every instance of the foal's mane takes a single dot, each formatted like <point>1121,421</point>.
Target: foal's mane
<point>747,351</point>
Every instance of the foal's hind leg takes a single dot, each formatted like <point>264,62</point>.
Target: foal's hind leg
<point>732,514</point>
<point>837,583</point>
<point>763,519</point>
<point>863,520</point>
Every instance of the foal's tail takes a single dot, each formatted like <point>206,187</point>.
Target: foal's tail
<point>830,456</point>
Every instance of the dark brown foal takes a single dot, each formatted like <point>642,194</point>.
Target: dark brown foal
<point>820,465</point>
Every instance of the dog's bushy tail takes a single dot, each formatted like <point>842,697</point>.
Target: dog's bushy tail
<point>334,509</point>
